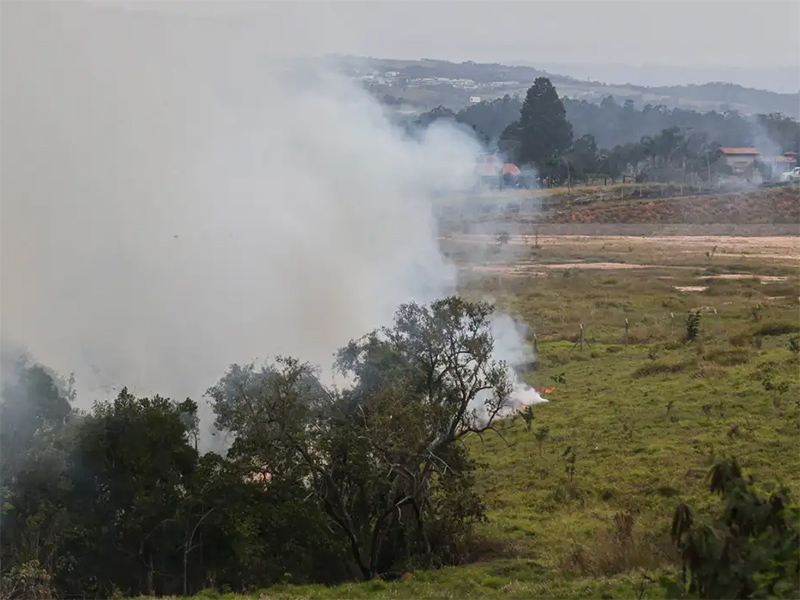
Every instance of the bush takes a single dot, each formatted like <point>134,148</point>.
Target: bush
<point>692,326</point>
<point>27,581</point>
<point>751,550</point>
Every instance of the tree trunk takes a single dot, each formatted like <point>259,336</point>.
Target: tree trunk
<point>185,567</point>
<point>149,579</point>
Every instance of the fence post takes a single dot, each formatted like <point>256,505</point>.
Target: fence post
<point>535,346</point>
<point>671,323</point>
<point>626,331</point>
<point>716,321</point>
<point>581,338</point>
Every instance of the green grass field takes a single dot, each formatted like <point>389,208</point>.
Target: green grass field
<point>646,421</point>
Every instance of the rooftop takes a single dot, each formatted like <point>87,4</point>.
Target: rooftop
<point>748,151</point>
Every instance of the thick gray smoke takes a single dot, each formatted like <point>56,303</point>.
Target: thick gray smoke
<point>173,201</point>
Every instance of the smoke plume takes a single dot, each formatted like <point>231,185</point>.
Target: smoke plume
<point>173,200</point>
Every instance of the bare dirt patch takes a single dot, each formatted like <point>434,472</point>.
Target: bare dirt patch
<point>762,278</point>
<point>780,248</point>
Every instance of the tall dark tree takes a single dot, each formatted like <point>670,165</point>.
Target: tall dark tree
<point>542,134</point>
<point>583,158</point>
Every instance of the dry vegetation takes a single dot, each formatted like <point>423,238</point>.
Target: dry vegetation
<point>767,210</point>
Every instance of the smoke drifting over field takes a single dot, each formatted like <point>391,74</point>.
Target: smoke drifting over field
<point>172,203</point>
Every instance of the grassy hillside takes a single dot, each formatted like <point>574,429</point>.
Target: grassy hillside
<point>645,422</point>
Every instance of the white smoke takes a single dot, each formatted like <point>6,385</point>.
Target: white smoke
<point>510,346</point>
<point>172,202</point>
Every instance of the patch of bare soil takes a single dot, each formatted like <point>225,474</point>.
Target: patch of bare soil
<point>761,278</point>
<point>540,270</point>
<point>777,247</point>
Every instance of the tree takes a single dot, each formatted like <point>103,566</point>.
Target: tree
<point>542,134</point>
<point>130,467</point>
<point>381,456</point>
<point>583,158</point>
<point>35,433</point>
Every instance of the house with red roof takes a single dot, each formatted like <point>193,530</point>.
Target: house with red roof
<point>739,159</point>
<point>742,159</point>
<point>492,171</point>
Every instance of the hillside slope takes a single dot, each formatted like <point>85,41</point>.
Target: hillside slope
<point>650,206</point>
<point>779,205</point>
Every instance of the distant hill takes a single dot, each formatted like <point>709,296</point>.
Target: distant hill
<point>782,79</point>
<point>444,83</point>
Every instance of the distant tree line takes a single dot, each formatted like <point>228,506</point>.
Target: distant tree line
<point>575,140</point>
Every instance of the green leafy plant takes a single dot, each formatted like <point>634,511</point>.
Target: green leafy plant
<point>693,326</point>
<point>750,550</point>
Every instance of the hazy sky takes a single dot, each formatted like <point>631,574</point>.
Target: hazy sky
<point>750,34</point>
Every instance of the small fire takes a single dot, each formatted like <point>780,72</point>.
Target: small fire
<point>524,407</point>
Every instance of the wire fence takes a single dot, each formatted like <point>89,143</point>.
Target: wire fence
<point>672,326</point>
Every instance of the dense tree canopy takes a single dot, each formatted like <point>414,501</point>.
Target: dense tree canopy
<point>612,124</point>
<point>612,139</point>
<point>319,485</point>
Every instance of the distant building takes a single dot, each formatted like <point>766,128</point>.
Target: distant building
<point>739,159</point>
<point>743,159</point>
<point>474,99</point>
<point>780,164</point>
<point>493,172</point>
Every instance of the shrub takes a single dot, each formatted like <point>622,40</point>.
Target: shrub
<point>27,581</point>
<point>752,549</point>
<point>692,326</point>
